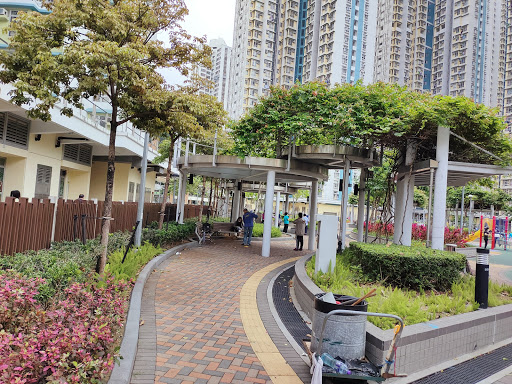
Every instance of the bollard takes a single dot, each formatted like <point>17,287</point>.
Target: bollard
<point>482,277</point>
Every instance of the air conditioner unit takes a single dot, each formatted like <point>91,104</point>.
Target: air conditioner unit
<point>3,12</point>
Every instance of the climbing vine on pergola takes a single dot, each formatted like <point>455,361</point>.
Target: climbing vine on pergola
<point>373,116</point>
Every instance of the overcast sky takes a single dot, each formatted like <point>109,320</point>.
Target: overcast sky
<point>213,18</point>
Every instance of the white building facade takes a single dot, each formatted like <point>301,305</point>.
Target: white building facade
<point>340,41</point>
<point>219,73</point>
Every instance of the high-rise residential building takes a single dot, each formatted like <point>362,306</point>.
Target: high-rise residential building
<point>279,42</point>
<point>507,63</point>
<point>253,56</point>
<point>219,73</point>
<point>340,41</point>
<point>444,47</point>
<point>286,53</point>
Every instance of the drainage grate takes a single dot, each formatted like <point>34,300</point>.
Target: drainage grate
<point>285,308</point>
<point>474,370</point>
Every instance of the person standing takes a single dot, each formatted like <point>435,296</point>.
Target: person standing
<point>306,219</point>
<point>300,229</point>
<point>286,221</point>
<point>487,231</point>
<point>248,219</point>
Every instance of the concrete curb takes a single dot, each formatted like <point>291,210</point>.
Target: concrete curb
<point>122,372</point>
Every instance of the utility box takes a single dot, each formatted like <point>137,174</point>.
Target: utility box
<point>327,243</point>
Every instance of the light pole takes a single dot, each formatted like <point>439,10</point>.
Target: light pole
<point>471,206</point>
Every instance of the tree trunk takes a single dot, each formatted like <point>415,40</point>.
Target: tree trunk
<point>216,199</point>
<point>166,186</point>
<point>211,195</point>
<point>107,207</point>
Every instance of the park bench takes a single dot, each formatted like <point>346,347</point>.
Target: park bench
<point>220,229</point>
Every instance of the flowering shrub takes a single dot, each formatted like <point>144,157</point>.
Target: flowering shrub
<point>419,232</point>
<point>455,236</point>
<point>380,229</point>
<point>71,341</point>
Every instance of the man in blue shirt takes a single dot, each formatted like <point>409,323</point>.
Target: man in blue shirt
<point>248,218</point>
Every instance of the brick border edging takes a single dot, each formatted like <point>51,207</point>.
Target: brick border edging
<point>453,336</point>
<point>122,372</point>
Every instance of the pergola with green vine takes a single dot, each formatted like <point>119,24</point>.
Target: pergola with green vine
<point>378,116</point>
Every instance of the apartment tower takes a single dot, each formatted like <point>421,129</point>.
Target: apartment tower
<point>280,42</point>
<point>441,46</point>
<point>340,41</point>
<point>254,53</point>
<point>219,73</point>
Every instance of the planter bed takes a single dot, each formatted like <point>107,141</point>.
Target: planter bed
<point>426,344</point>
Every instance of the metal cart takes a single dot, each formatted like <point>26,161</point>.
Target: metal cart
<point>384,372</point>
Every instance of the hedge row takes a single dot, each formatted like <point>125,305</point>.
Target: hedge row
<point>407,267</point>
<point>169,234</point>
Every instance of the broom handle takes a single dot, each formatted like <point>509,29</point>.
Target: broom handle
<point>365,296</point>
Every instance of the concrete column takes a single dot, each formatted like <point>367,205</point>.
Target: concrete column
<point>439,218</point>
<point>267,226</point>
<point>399,210</point>
<point>235,212</point>
<point>409,207</point>
<point>142,190</point>
<point>178,197</point>
<point>278,204</point>
<point>405,205</point>
<point>360,206</point>
<point>182,195</point>
<point>287,203</point>
<point>313,200</point>
<point>471,214</point>
<point>410,156</point>
<point>344,205</point>
<point>242,202</point>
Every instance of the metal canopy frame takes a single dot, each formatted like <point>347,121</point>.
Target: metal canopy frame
<point>255,187</point>
<point>251,169</point>
<point>335,156</point>
<point>459,173</point>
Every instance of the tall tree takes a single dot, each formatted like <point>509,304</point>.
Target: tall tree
<point>185,114</point>
<point>88,48</point>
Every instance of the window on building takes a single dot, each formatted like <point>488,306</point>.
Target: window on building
<point>131,191</point>
<point>43,181</point>
<point>78,153</point>
<point>62,183</point>
<point>14,130</point>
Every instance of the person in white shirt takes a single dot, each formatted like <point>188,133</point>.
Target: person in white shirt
<point>306,219</point>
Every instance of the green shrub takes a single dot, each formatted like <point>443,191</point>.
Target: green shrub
<point>135,260</point>
<point>64,263</point>
<point>412,306</point>
<point>68,263</point>
<point>258,231</point>
<point>169,234</point>
<point>407,267</point>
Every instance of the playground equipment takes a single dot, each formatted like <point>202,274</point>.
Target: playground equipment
<point>498,227</point>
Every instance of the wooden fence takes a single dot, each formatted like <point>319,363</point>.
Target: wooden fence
<point>28,225</point>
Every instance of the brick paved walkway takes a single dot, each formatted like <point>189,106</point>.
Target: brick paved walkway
<point>191,311</point>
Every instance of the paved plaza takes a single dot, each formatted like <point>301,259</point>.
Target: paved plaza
<point>202,323</point>
<point>192,329</point>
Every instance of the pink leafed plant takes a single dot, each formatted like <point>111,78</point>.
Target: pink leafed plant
<point>71,341</point>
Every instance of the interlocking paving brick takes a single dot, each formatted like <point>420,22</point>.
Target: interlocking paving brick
<point>194,309</point>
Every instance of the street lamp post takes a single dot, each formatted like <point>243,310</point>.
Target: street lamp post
<point>471,206</point>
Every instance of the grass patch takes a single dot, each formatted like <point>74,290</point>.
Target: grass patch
<point>412,306</point>
<point>257,231</point>
<point>136,259</point>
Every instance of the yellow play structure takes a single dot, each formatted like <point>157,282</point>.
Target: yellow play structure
<point>476,235</point>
